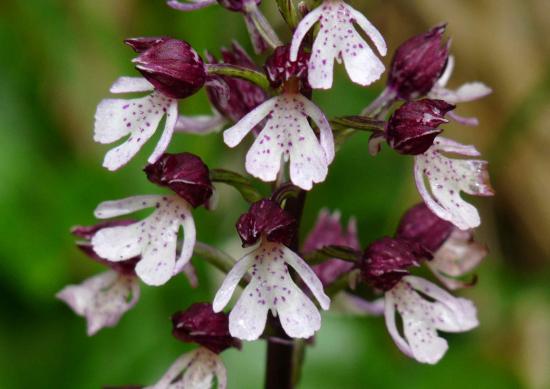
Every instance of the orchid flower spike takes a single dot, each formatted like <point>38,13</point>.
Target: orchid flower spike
<point>172,70</point>
<point>338,40</point>
<point>271,287</point>
<point>448,177</point>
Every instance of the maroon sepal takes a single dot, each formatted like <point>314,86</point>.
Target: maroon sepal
<point>386,261</point>
<point>419,224</point>
<point>185,174</point>
<point>413,127</point>
<point>237,5</point>
<point>171,65</point>
<point>418,63</point>
<point>266,217</point>
<point>200,324</point>
<point>144,43</point>
<point>280,69</point>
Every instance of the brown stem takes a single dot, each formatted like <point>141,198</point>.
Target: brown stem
<point>281,369</point>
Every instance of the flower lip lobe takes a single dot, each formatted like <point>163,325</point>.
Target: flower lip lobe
<point>173,67</point>
<point>185,174</point>
<point>266,217</point>
<point>200,324</point>
<point>414,126</point>
<point>386,261</point>
<point>418,63</point>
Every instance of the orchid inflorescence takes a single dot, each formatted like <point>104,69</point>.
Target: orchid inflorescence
<point>284,285</point>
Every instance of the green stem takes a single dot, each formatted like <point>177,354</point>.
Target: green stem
<point>222,69</point>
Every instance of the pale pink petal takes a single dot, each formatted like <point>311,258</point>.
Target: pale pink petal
<point>154,238</point>
<point>307,275</point>
<point>102,299</point>
<point>108,209</point>
<point>391,325</point>
<point>201,371</point>
<point>465,93</point>
<point>321,62</point>
<point>177,368</point>
<point>203,124</point>
<point>131,85</point>
<point>191,275</point>
<point>447,73</point>
<point>166,137</point>
<point>465,121</point>
<point>362,64</point>
<point>192,5</point>
<point>459,255</point>
<point>448,177</point>
<point>138,118</point>
<point>359,306</point>
<point>231,281</point>
<point>326,137</point>
<point>221,374</point>
<point>301,30</point>
<point>235,134</point>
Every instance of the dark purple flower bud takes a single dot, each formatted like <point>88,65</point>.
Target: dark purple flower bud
<point>413,127</point>
<point>237,5</point>
<point>280,69</point>
<point>418,63</point>
<point>422,226</point>
<point>199,324</point>
<point>126,267</point>
<point>185,174</point>
<point>386,261</point>
<point>266,217</point>
<point>144,43</point>
<point>328,231</point>
<point>171,65</point>
<point>235,98</point>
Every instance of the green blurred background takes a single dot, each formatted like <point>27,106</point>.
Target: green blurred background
<point>58,58</point>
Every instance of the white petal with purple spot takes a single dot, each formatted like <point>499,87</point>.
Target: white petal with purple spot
<point>154,238</point>
<point>448,177</point>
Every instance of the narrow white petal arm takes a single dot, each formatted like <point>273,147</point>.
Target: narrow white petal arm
<point>202,124</point>
<point>370,30</point>
<point>131,85</point>
<point>389,315</point>
<point>170,124</point>
<point>305,25</point>
<point>175,370</point>
<point>234,135</point>
<point>221,374</point>
<point>447,73</point>
<point>191,6</point>
<point>108,209</point>
<point>326,136</point>
<point>308,276</point>
<point>231,280</point>
<point>189,239</point>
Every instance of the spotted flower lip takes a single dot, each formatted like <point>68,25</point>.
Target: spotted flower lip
<point>272,288</point>
<point>233,97</point>
<point>448,177</point>
<point>288,136</point>
<point>418,63</point>
<point>329,231</point>
<point>154,239</point>
<point>266,218</point>
<point>185,174</point>
<point>200,324</point>
<point>338,40</point>
<point>386,261</point>
<point>173,67</point>
<point>421,225</point>
<point>412,128</point>
<point>136,118</point>
<point>423,318</point>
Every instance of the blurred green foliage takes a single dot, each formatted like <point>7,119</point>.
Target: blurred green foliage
<point>58,60</point>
